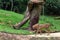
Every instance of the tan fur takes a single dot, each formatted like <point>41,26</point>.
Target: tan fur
<point>39,27</point>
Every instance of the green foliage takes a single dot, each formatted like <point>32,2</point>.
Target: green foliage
<point>52,7</point>
<point>14,5</point>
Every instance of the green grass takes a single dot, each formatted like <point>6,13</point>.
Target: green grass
<point>8,18</point>
<point>50,19</point>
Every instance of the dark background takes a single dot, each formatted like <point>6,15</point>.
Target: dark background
<point>51,7</point>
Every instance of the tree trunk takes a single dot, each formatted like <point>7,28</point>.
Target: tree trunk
<point>33,11</point>
<point>26,18</point>
<point>19,25</point>
<point>26,13</point>
<point>11,5</point>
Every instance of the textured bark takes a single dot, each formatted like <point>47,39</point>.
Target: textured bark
<point>11,5</point>
<point>26,13</point>
<point>19,25</point>
<point>26,18</point>
<point>33,11</point>
<point>34,14</point>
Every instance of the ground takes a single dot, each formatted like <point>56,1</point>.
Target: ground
<point>51,36</point>
<point>8,19</point>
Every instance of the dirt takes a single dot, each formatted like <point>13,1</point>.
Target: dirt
<point>44,36</point>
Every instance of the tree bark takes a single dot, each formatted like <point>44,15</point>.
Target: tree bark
<point>26,13</point>
<point>19,25</point>
<point>26,18</point>
<point>11,5</point>
<point>33,11</point>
